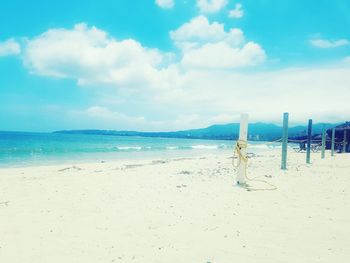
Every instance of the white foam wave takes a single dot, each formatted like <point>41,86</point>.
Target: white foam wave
<point>258,146</point>
<point>172,147</point>
<point>201,146</point>
<point>125,148</point>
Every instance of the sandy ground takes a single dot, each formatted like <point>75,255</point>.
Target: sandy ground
<point>179,210</point>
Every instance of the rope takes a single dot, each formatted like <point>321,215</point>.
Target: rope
<point>305,140</point>
<point>290,140</point>
<point>278,140</point>
<point>240,144</point>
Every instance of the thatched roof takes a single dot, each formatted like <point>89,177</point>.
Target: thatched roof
<point>344,126</point>
<point>340,132</point>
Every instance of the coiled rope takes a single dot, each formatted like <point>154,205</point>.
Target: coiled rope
<point>240,144</point>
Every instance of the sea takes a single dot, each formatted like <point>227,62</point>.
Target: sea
<point>18,149</point>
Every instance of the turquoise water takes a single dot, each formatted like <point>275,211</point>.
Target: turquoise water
<point>22,149</point>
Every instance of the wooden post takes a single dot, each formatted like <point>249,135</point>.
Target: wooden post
<point>333,140</point>
<point>243,133</point>
<point>344,141</point>
<point>323,141</point>
<point>284,141</point>
<point>309,134</point>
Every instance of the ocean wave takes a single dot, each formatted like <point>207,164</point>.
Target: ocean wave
<point>202,146</point>
<point>128,148</point>
<point>172,147</point>
<point>258,146</point>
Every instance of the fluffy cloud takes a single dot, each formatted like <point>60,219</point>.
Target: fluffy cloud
<point>211,6</point>
<point>195,91</point>
<point>223,56</point>
<point>110,119</point>
<point>9,47</point>
<point>237,12</point>
<point>167,4</point>
<point>324,43</point>
<point>210,46</point>
<point>266,95</point>
<point>90,56</point>
<point>199,31</point>
<point>217,96</point>
<point>106,114</point>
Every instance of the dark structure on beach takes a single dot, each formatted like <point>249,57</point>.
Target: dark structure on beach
<point>342,137</point>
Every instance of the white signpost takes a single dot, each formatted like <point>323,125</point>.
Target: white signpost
<point>242,144</point>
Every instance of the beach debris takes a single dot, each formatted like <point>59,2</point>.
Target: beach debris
<point>251,155</point>
<point>130,166</point>
<point>185,172</point>
<point>71,168</point>
<point>182,159</point>
<point>6,203</point>
<point>159,161</point>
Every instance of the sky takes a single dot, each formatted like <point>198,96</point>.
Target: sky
<point>161,65</point>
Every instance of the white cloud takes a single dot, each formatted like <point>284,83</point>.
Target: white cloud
<point>195,91</point>
<point>102,117</point>
<point>237,12</point>
<point>211,6</point>
<point>9,47</point>
<point>199,31</point>
<point>208,45</point>
<point>266,95</point>
<point>222,56</point>
<point>110,119</point>
<point>324,43</point>
<point>105,113</point>
<point>204,97</point>
<point>167,4</point>
<point>90,56</point>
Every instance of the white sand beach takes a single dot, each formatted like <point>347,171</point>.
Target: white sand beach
<point>178,210</point>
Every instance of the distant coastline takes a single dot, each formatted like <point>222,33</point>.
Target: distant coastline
<point>257,132</point>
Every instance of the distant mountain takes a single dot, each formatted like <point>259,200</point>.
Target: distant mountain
<point>256,131</point>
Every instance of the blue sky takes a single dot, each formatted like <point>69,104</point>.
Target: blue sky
<point>168,65</point>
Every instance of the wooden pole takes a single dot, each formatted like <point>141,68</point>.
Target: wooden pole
<point>308,148</point>
<point>243,134</point>
<point>323,141</point>
<point>344,141</point>
<point>333,140</point>
<point>284,141</point>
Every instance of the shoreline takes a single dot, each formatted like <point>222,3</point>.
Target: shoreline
<point>129,155</point>
<point>111,158</point>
